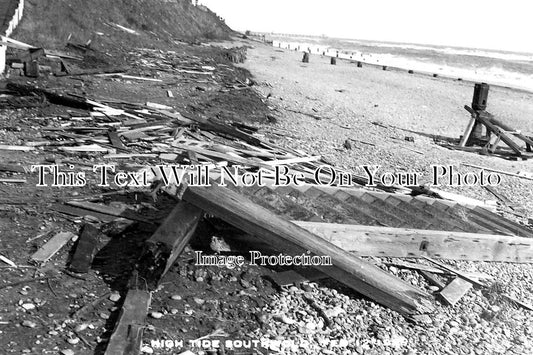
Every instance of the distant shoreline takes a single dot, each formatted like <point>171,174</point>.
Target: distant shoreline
<point>364,60</point>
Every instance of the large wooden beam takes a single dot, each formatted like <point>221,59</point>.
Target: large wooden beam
<point>167,243</point>
<point>127,335</point>
<point>402,242</point>
<point>291,239</point>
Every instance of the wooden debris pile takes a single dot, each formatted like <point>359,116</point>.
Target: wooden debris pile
<point>344,224</point>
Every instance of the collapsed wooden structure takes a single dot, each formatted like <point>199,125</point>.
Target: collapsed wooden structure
<point>343,223</point>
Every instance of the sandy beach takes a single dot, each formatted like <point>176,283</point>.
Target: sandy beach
<point>350,100</point>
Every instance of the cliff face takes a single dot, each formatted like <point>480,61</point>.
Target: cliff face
<point>52,23</point>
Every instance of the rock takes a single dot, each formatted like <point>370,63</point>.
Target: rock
<point>453,324</point>
<point>434,288</point>
<point>114,297</point>
<point>245,283</point>
<point>307,288</point>
<point>310,326</point>
<point>73,341</point>
<point>176,297</point>
<point>104,315</point>
<point>147,350</point>
<point>334,312</point>
<point>29,324</point>
<point>67,352</point>
<point>156,315</point>
<point>28,306</point>
<point>198,300</point>
<point>199,279</point>
<point>81,327</point>
<point>284,318</point>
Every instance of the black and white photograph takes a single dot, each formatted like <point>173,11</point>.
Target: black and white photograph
<point>252,177</point>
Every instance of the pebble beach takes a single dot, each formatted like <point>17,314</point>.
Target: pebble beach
<point>319,107</point>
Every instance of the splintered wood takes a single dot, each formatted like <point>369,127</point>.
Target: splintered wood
<point>168,241</point>
<point>362,276</point>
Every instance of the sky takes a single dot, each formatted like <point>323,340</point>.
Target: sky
<point>490,24</point>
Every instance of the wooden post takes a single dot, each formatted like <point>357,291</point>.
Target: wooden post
<point>31,69</point>
<point>359,64</point>
<point>293,240</point>
<point>167,243</point>
<point>305,58</point>
<point>333,61</point>
<point>85,249</point>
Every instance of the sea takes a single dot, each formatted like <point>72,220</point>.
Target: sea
<point>503,68</point>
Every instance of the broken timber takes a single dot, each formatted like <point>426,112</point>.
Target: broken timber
<point>455,290</point>
<point>358,274</point>
<point>401,242</point>
<point>168,241</point>
<point>52,247</point>
<point>127,335</point>
<point>85,249</point>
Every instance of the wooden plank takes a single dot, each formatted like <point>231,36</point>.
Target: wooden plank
<point>85,148</point>
<point>293,160</point>
<point>416,266</point>
<point>432,279</point>
<point>14,168</point>
<point>292,277</point>
<point>167,243</point>
<point>500,132</point>
<point>127,335</point>
<point>115,140</point>
<point>51,247</point>
<point>455,290</point>
<point>518,302</point>
<point>113,211</point>
<point>498,171</point>
<point>291,239</point>
<point>13,181</point>
<point>227,157</point>
<point>468,130</point>
<point>81,212</point>
<point>16,147</point>
<point>404,242</point>
<point>457,272</point>
<point>86,249</point>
